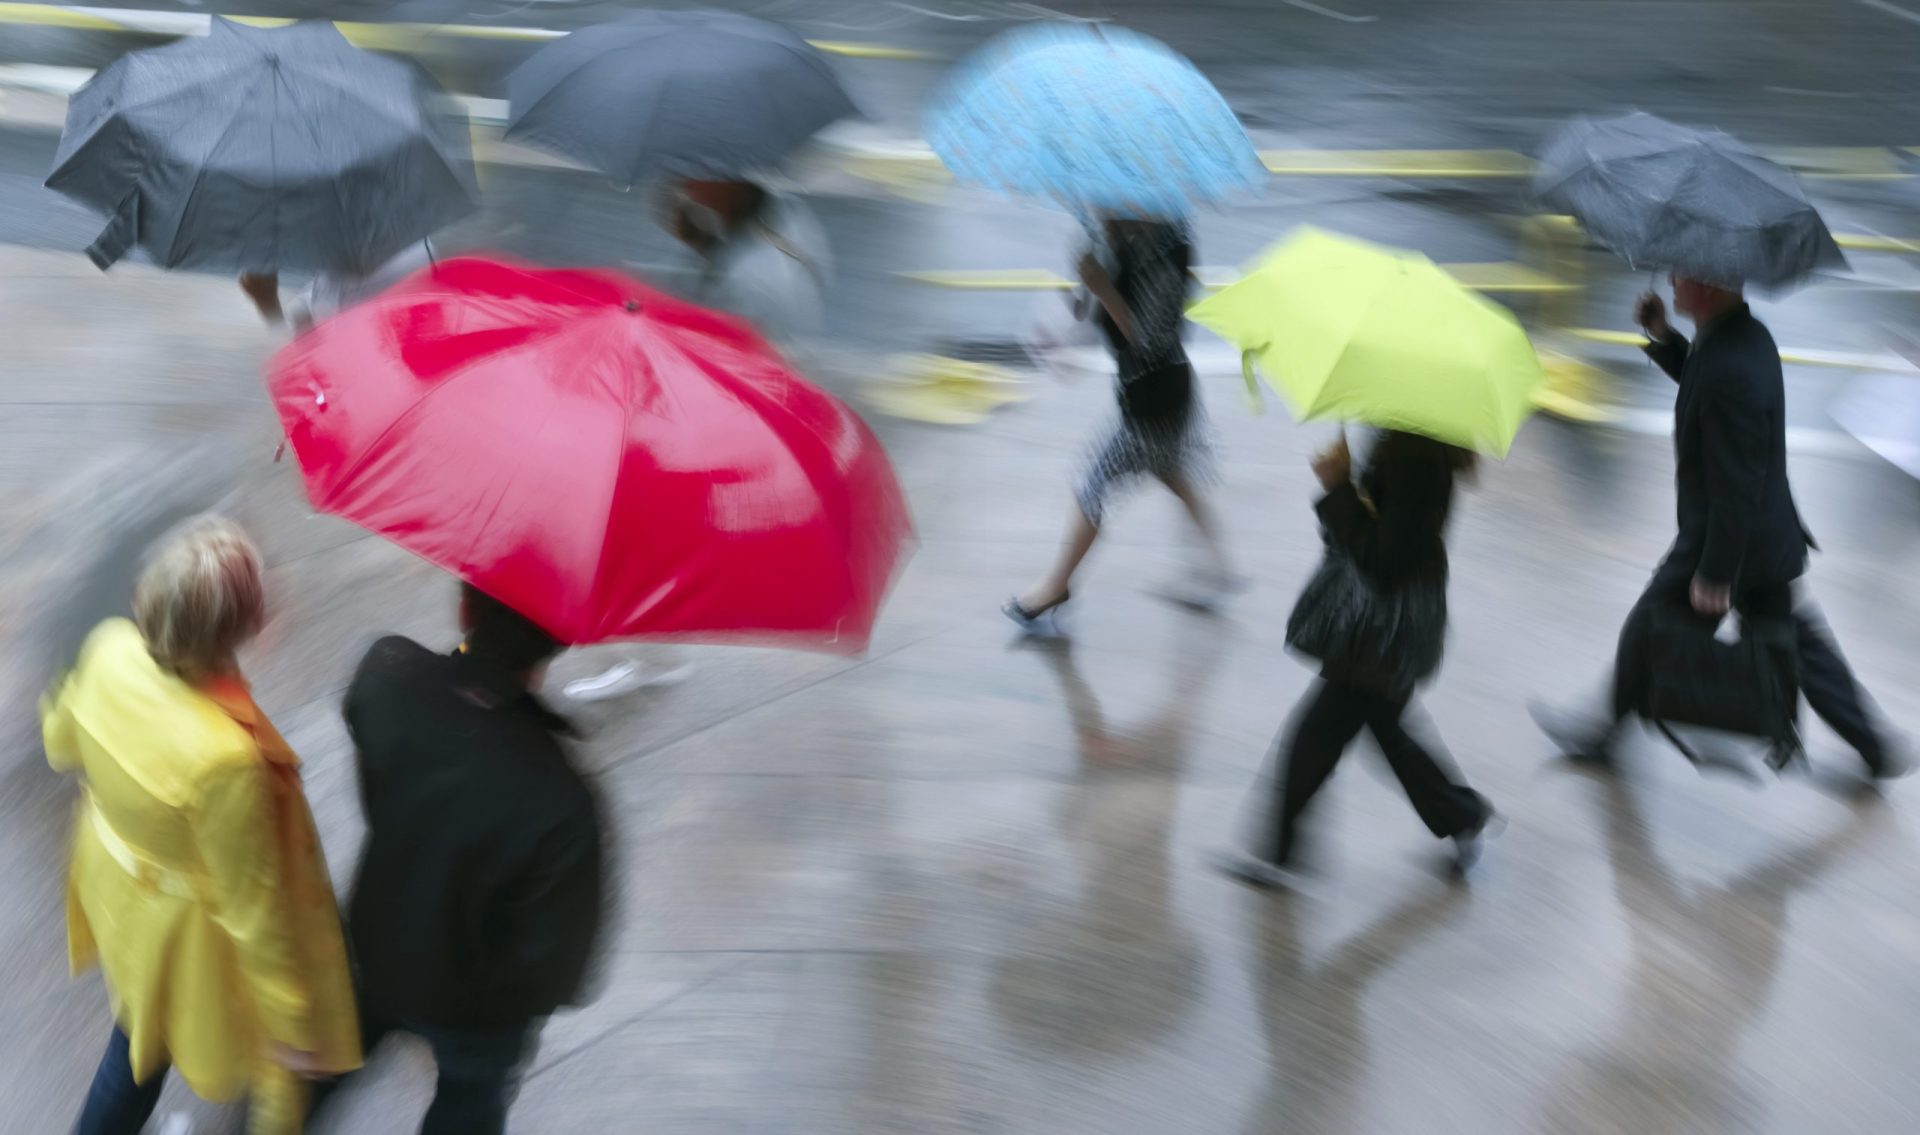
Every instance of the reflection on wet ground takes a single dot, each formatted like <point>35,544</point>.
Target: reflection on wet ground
<point>956,885</point>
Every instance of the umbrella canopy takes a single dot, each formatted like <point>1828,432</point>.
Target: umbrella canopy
<point>1354,331</point>
<point>264,149</point>
<point>1696,201</point>
<point>691,94</point>
<point>606,460</point>
<point>1096,118</point>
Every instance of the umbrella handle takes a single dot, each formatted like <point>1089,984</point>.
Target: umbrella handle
<point>1254,402</point>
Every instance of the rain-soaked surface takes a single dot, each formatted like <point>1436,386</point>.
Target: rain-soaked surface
<point>956,884</point>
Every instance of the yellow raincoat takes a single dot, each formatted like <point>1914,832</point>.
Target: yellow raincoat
<point>197,882</point>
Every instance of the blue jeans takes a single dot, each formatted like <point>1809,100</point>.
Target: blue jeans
<point>115,1104</point>
<point>479,1072</point>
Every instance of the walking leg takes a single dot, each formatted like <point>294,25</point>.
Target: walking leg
<point>1445,804</point>
<point>1053,587</point>
<point>479,1075</point>
<point>1204,519</point>
<point>1831,690</point>
<point>116,1105</point>
<point>1333,715</point>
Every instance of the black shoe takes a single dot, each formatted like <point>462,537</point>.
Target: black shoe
<point>1257,872</point>
<point>1893,763</point>
<point>1581,740</point>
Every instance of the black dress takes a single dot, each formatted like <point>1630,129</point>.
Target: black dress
<point>1161,430</point>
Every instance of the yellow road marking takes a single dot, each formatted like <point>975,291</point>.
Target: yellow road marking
<point>1826,163</point>
<point>1862,243</point>
<point>375,35</point>
<point>1398,163</point>
<point>52,16</point>
<point>1503,278</point>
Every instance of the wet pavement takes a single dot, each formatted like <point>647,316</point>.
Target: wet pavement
<point>957,884</point>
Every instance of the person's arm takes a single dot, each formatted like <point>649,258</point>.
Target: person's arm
<point>263,288</point>
<point>1669,354</point>
<point>236,827</point>
<point>1735,436</point>
<point>1665,346</point>
<point>1385,541</point>
<point>57,729</point>
<point>1099,285</point>
<point>553,911</point>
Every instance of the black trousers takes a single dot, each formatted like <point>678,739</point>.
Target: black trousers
<point>479,1072</point>
<point>1330,719</point>
<point>1825,679</point>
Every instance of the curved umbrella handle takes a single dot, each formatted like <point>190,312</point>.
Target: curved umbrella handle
<point>120,235</point>
<point>1254,401</point>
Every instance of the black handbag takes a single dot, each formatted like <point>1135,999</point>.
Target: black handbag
<point>1748,686</point>
<point>1359,632</point>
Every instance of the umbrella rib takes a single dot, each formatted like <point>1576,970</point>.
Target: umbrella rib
<point>240,106</point>
<point>366,452</point>
<point>334,180</point>
<point>505,482</point>
<point>619,479</point>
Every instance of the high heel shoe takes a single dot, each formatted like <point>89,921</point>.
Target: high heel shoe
<point>1043,622</point>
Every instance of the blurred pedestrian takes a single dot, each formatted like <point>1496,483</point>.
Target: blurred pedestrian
<point>335,291</point>
<point>1741,543</point>
<point>1389,531</point>
<point>197,882</point>
<point>763,257</point>
<point>1138,273</point>
<point>477,901</point>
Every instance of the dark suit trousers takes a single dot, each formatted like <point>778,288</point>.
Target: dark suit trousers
<point>1825,680</point>
<point>1332,717</point>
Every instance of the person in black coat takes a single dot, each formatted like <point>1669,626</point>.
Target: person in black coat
<point>1741,544</point>
<point>1393,527</point>
<point>478,900</point>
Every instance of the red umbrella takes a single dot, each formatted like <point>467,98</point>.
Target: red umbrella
<point>605,459</point>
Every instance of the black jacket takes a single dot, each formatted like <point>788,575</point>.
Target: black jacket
<point>1738,524</point>
<point>1397,535</point>
<point>478,897</point>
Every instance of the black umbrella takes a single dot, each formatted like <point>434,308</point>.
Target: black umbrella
<point>1696,201</point>
<point>264,149</point>
<point>712,94</point>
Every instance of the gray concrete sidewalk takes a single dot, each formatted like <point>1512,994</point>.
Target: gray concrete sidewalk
<point>954,885</point>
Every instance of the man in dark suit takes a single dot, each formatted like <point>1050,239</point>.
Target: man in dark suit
<point>478,898</point>
<point>1741,544</point>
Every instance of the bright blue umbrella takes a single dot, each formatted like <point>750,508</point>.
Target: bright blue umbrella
<point>1096,118</point>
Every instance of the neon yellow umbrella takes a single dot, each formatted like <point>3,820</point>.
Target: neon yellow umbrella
<point>1354,331</point>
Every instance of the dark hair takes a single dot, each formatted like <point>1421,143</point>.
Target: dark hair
<point>502,635</point>
<point>1399,443</point>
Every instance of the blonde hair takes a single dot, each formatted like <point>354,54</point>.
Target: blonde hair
<point>200,597</point>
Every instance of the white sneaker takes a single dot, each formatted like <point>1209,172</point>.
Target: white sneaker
<point>625,678</point>
<point>177,1124</point>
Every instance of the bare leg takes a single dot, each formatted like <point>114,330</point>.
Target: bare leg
<point>1203,519</point>
<point>1052,588</point>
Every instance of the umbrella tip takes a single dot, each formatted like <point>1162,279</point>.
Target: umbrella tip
<point>633,305</point>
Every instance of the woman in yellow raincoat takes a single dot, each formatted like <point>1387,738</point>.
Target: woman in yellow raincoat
<point>197,883</point>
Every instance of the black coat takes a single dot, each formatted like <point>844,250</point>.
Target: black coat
<point>1738,524</point>
<point>1397,535</point>
<point>478,898</point>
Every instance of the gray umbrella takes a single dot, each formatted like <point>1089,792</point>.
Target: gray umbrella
<point>1696,201</point>
<point>712,94</point>
<point>264,149</point>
